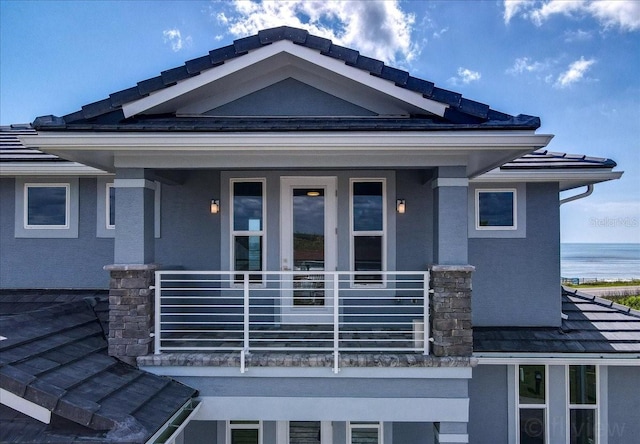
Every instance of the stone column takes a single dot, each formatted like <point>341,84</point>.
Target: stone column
<point>131,311</point>
<point>450,310</point>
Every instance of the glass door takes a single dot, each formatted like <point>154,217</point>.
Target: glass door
<point>308,239</point>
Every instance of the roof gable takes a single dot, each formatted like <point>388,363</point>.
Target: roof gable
<point>289,97</point>
<point>256,62</point>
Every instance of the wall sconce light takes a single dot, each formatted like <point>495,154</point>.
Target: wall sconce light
<point>401,206</point>
<point>215,206</point>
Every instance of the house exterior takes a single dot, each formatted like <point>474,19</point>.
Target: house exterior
<point>328,249</point>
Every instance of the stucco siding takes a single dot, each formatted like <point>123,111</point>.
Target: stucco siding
<point>624,405</point>
<point>488,406</point>
<point>414,235</point>
<point>517,280</point>
<point>54,263</point>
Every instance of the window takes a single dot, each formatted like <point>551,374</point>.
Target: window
<point>244,432</point>
<point>46,206</point>
<point>368,227</point>
<point>532,404</point>
<point>365,433</point>
<point>583,405</point>
<point>247,225</point>
<point>496,209</point>
<point>110,202</point>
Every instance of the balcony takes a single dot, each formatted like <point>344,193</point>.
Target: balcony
<point>291,312</point>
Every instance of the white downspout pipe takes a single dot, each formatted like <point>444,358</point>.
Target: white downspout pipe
<point>578,196</point>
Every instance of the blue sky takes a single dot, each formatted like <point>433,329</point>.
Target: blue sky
<point>575,64</point>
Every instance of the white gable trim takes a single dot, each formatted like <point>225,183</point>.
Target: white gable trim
<point>319,61</point>
<point>23,406</point>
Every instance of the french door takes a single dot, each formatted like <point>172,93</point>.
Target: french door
<point>307,247</point>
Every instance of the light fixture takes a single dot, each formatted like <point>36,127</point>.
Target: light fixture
<point>215,206</point>
<point>400,206</point>
<point>313,193</point>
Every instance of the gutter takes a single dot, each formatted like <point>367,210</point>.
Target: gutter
<point>578,196</point>
<point>169,432</point>
<point>610,359</point>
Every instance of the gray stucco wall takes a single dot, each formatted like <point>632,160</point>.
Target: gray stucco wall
<point>190,234</point>
<point>414,235</point>
<point>413,433</point>
<point>53,263</point>
<point>517,281</point>
<point>624,404</point>
<point>488,405</point>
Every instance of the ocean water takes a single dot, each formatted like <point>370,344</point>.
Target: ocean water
<point>600,261</point>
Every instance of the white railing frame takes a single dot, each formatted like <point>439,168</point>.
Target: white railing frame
<point>247,287</point>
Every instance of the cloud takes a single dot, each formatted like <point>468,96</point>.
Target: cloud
<point>465,76</point>
<point>577,36</point>
<point>524,64</point>
<point>379,29</point>
<point>575,73</point>
<point>621,14</point>
<point>174,37</point>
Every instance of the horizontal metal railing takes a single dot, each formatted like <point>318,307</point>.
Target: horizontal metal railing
<point>291,311</point>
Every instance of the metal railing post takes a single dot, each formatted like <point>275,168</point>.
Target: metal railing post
<point>336,322</point>
<point>425,320</point>
<point>158,313</point>
<point>245,345</point>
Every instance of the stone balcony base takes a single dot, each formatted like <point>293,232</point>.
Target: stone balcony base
<point>302,360</point>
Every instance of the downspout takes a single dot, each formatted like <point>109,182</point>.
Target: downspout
<point>578,196</point>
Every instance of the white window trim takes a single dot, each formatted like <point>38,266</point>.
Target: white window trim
<point>262,233</point>
<point>67,209</point>
<point>256,426</point>
<point>360,425</point>
<point>544,406</point>
<point>571,406</point>
<point>383,232</point>
<point>513,227</point>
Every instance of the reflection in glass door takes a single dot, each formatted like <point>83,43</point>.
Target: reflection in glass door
<point>308,245</point>
<point>308,236</point>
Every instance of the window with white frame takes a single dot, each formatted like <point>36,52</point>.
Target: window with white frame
<point>496,209</point>
<point>531,399</point>
<point>46,205</point>
<point>583,404</point>
<point>368,229</point>
<point>247,225</point>
<point>110,206</point>
<point>244,432</point>
<point>365,433</point>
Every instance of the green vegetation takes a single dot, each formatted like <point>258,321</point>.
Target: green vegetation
<point>629,301</point>
<point>599,284</point>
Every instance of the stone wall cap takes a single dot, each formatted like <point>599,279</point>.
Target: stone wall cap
<point>465,268</point>
<point>131,267</point>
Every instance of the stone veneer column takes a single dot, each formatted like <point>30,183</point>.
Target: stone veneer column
<point>131,311</point>
<point>450,309</point>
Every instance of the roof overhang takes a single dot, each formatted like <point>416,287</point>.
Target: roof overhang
<point>625,359</point>
<point>49,169</point>
<point>480,151</point>
<point>567,178</point>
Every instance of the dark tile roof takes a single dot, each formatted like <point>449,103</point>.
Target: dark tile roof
<point>107,115</point>
<point>543,159</point>
<point>13,151</point>
<point>594,325</point>
<point>56,357</point>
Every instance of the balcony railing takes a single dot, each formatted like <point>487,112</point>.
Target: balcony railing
<point>292,311</point>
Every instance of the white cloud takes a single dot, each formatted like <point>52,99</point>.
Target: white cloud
<point>465,76</point>
<point>577,36</point>
<point>440,33</point>
<point>575,73</point>
<point>524,64</point>
<point>174,38</point>
<point>379,29</point>
<point>622,14</point>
